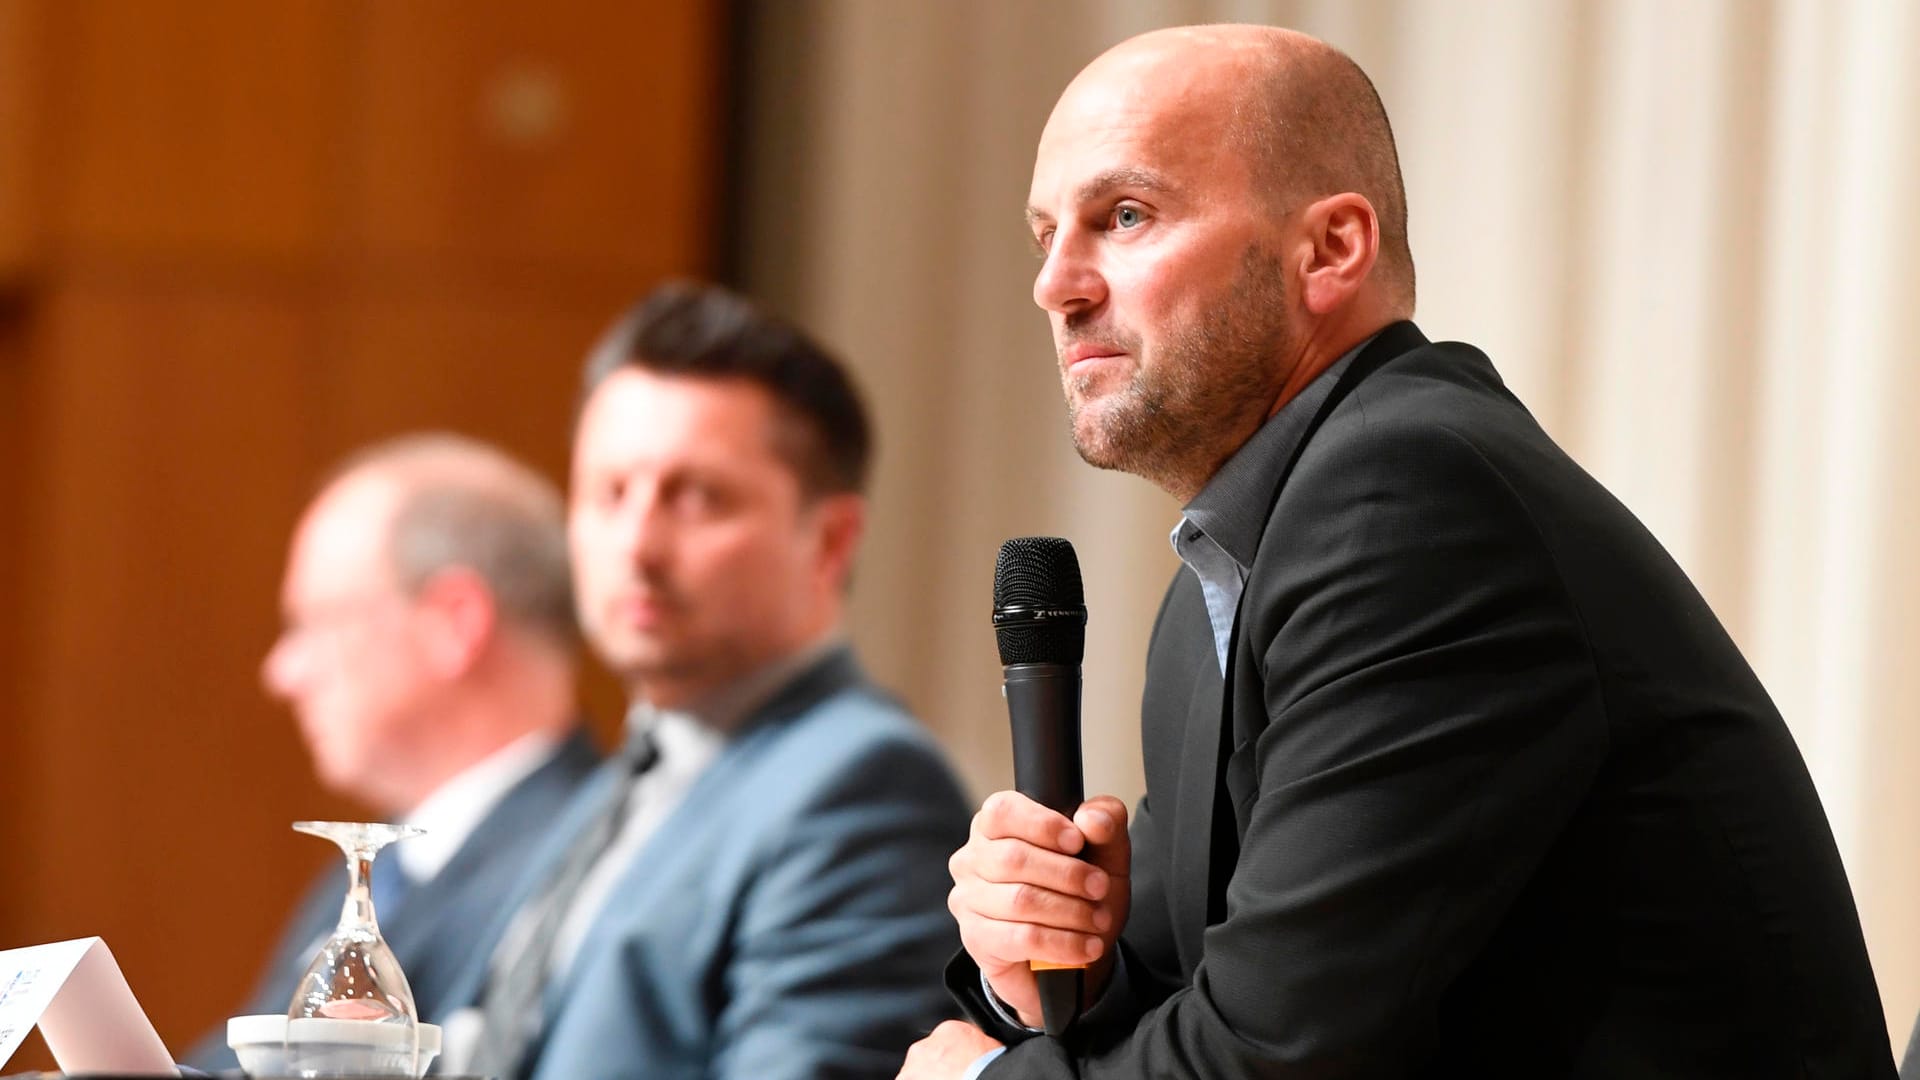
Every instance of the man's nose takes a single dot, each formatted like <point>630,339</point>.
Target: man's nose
<point>646,533</point>
<point>280,669</point>
<point>1068,280</point>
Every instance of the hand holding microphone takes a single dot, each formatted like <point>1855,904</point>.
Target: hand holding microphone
<point>1041,888</point>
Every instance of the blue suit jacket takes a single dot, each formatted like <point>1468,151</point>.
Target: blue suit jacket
<point>431,931</point>
<point>788,918</point>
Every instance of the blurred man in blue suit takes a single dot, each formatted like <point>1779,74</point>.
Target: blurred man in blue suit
<point>754,887</point>
<point>429,652</point>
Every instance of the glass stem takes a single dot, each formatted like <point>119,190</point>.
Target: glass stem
<point>358,910</point>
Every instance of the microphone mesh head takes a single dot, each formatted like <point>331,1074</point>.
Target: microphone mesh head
<point>1039,607</point>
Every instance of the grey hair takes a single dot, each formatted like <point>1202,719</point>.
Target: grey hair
<point>464,503</point>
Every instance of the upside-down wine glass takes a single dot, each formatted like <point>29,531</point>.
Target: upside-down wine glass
<point>355,976</point>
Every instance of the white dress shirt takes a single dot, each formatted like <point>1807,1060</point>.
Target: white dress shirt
<point>457,807</point>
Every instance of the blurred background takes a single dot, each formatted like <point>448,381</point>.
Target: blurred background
<point>238,240</point>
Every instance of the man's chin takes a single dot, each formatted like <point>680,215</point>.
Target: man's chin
<point>636,667</point>
<point>631,666</point>
<point>343,778</point>
<point>1096,447</point>
<point>1095,457</point>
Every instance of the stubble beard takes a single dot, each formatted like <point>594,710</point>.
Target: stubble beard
<point>676,665</point>
<point>638,657</point>
<point>1203,393</point>
<point>652,668</point>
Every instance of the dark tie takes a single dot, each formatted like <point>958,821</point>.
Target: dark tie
<point>388,885</point>
<point>510,1008</point>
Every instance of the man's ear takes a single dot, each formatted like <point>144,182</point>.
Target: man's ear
<point>1339,244</point>
<point>458,617</point>
<point>841,521</point>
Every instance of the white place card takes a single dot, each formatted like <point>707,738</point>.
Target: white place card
<point>83,1006</point>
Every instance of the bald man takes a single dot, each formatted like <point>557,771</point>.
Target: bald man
<point>1450,771</point>
<point>428,655</point>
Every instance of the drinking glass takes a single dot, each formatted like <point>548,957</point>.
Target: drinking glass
<point>354,977</point>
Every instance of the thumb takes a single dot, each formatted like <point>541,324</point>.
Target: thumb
<point>1103,821</point>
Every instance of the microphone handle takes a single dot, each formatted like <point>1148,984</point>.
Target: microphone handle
<point>1043,704</point>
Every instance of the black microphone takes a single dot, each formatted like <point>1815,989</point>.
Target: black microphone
<point>1040,624</point>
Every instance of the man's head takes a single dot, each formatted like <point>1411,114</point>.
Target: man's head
<point>1220,215</point>
<point>428,616</point>
<point>718,469</point>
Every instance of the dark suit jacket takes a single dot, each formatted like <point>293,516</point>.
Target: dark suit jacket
<point>1486,789</point>
<point>431,932</point>
<point>1910,1063</point>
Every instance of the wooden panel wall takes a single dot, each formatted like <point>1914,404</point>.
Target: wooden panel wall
<point>245,239</point>
<point>20,80</point>
<point>15,442</point>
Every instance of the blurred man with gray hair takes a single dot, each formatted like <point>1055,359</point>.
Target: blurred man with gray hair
<point>428,653</point>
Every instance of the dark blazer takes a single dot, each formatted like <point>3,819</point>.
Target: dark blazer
<point>1485,790</point>
<point>787,919</point>
<point>431,932</point>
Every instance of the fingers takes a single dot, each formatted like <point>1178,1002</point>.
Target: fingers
<point>947,1053</point>
<point>1021,894</point>
<point>1016,862</point>
<point>996,944</point>
<point>1017,901</point>
<point>1016,841</point>
<point>1102,820</point>
<point>1009,815</point>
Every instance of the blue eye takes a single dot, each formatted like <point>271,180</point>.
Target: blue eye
<point>1126,217</point>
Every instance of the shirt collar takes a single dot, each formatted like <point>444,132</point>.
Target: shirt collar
<point>450,814</point>
<point>726,709</point>
<point>1232,508</point>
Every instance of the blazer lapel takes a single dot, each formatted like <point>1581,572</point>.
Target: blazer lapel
<point>1193,802</point>
<point>518,819</point>
<point>1218,738</point>
<point>705,808</point>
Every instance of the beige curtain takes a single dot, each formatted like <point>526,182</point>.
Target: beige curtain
<point>1687,232</point>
